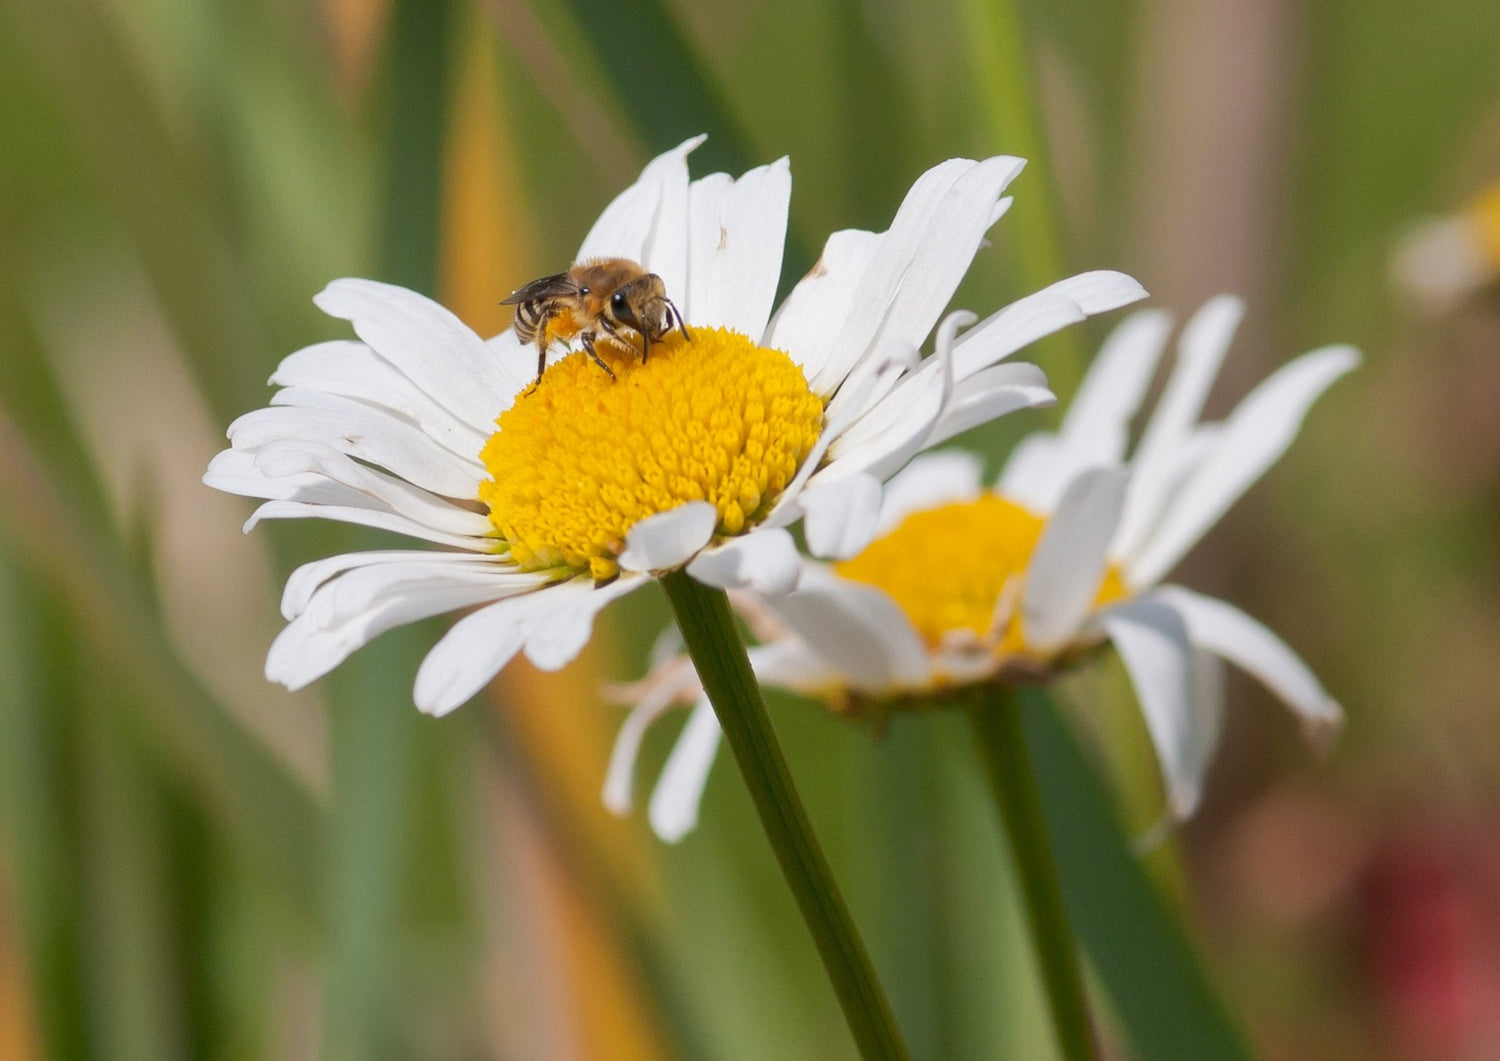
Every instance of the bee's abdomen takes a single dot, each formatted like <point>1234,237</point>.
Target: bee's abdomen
<point>530,317</point>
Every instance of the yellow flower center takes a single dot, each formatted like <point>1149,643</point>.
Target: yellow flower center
<point>949,568</point>
<point>581,458</point>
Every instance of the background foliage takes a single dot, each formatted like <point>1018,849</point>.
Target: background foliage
<point>196,863</point>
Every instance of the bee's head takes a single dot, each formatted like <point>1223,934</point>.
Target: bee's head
<point>634,304</point>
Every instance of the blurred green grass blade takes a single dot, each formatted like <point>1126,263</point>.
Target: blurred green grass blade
<point>376,737</point>
<point>131,919</point>
<point>64,539</point>
<point>1142,954</point>
<point>38,813</point>
<point>661,81</point>
<point>1007,93</point>
<point>418,69</point>
<point>155,189</point>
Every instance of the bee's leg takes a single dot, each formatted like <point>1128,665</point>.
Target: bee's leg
<point>543,340</point>
<point>612,330</point>
<point>588,344</point>
<point>645,343</point>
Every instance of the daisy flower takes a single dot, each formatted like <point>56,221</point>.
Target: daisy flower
<point>1443,260</point>
<point>549,501</point>
<point>964,584</point>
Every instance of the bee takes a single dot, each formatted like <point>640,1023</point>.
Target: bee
<point>600,300</point>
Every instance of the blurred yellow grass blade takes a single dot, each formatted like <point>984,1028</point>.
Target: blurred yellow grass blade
<point>354,31</point>
<point>488,242</point>
<point>487,250</point>
<point>17,1039</point>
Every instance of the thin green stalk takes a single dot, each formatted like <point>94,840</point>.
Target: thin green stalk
<point>719,655</point>
<point>1002,746</point>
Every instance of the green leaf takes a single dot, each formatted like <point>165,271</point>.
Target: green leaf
<point>660,79</point>
<point>1142,954</point>
<point>382,802</point>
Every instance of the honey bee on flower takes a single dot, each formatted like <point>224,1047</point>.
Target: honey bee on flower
<point>606,300</point>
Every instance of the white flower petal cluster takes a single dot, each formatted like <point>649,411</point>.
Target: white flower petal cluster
<point>1135,514</point>
<point>386,431</point>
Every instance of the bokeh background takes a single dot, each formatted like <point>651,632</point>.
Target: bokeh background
<point>194,863</point>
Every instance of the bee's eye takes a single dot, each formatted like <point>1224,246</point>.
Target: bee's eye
<point>583,290</point>
<point>619,300</point>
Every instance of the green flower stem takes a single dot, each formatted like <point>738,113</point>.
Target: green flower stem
<point>724,668</point>
<point>1002,746</point>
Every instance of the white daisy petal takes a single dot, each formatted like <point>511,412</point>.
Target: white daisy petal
<point>292,476</point>
<point>1096,427</point>
<point>839,517</point>
<point>472,652</point>
<point>302,582</point>
<point>1068,564</point>
<point>1111,393</point>
<point>546,623</point>
<point>669,539</point>
<point>880,279</point>
<point>628,223</point>
<point>1033,474</point>
<point>992,393</point>
<point>1095,431</point>
<point>1200,351</point>
<point>919,261</point>
<point>903,411</point>
<point>808,323</point>
<point>789,664</point>
<point>1254,437</point>
<point>674,804</point>
<point>864,380</point>
<point>364,431</point>
<point>520,359</point>
<point>940,254</point>
<point>765,561</point>
<point>342,598</point>
<point>1038,315</point>
<point>353,370</point>
<point>293,462</point>
<point>930,480</point>
<point>856,628</point>
<point>619,778</point>
<point>1219,627</point>
<point>736,234</point>
<point>557,633</point>
<point>431,347</point>
<point>665,251</point>
<point>341,618</point>
<point>376,518</point>
<point>1153,645</point>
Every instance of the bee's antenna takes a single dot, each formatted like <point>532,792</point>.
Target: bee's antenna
<point>681,324</point>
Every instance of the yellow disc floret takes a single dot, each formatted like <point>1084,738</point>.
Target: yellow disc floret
<point>953,568</point>
<point>581,458</point>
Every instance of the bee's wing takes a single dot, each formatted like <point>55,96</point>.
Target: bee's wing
<point>557,286</point>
